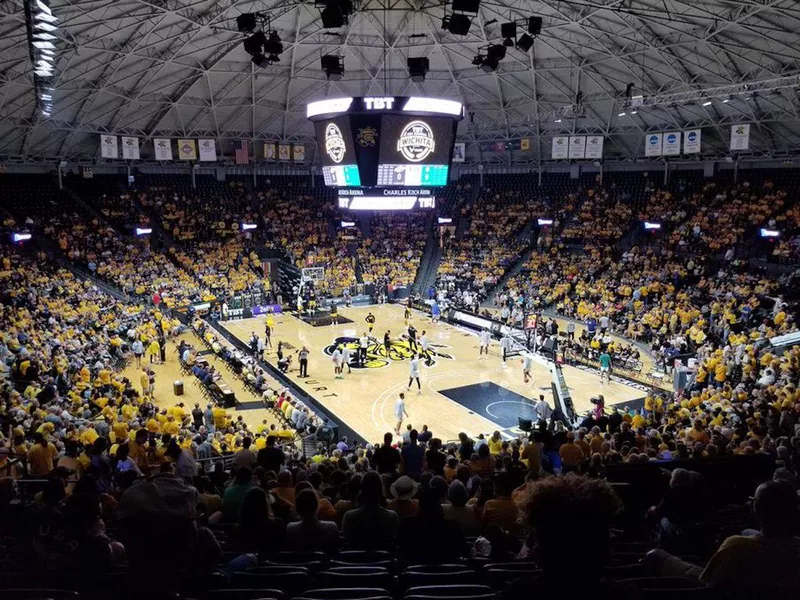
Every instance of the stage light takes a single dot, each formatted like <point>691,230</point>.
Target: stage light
<point>417,68</point>
<point>557,121</point>
<point>333,17</point>
<point>622,114</point>
<point>327,107</point>
<point>459,24</point>
<point>509,32</point>
<point>497,51</point>
<point>525,42</point>
<point>470,6</point>
<point>20,237</point>
<point>490,64</point>
<point>534,25</point>
<point>650,226</point>
<point>333,67</point>
<point>478,60</point>
<point>143,231</point>
<point>273,44</point>
<point>246,23</point>
<point>255,43</point>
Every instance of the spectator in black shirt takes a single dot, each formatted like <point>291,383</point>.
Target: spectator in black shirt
<point>435,460</point>
<point>386,459</point>
<point>271,458</point>
<point>466,447</point>
<point>412,455</point>
<point>614,420</point>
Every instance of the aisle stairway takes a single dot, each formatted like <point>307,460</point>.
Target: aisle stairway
<point>430,258</point>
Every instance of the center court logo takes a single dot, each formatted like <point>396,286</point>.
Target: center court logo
<point>399,350</point>
<point>416,142</point>
<point>334,143</point>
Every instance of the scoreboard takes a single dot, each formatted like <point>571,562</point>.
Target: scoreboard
<point>377,145</point>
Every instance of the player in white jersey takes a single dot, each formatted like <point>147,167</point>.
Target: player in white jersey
<point>414,373</point>
<point>346,355</point>
<point>505,346</point>
<point>336,357</point>
<point>527,365</point>
<point>400,411</point>
<point>485,336</point>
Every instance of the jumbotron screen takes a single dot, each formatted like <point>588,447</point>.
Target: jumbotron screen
<point>381,143</point>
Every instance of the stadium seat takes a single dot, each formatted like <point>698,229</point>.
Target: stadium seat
<point>363,557</point>
<point>446,574</point>
<point>362,576</point>
<point>313,561</point>
<point>39,594</point>
<point>450,591</point>
<point>346,594</point>
<point>662,583</point>
<point>244,594</point>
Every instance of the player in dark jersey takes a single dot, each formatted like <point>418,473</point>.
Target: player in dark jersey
<point>334,315</point>
<point>407,315</point>
<point>387,342</point>
<point>370,319</point>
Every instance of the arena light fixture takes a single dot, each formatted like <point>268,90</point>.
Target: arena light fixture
<point>622,114</point>
<point>20,237</point>
<point>651,226</point>
<point>246,22</point>
<point>707,103</point>
<point>41,25</point>
<point>143,231</point>
<point>525,42</point>
<point>328,107</point>
<point>544,222</point>
<point>333,66</point>
<point>249,226</point>
<point>417,68</point>
<point>435,105</point>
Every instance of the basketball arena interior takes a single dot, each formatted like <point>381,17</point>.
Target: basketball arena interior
<point>399,299</point>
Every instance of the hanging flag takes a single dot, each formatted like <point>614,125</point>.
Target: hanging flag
<point>691,141</point>
<point>187,150</point>
<point>130,148</point>
<point>269,150</point>
<point>459,151</point>
<point>499,147</point>
<point>162,148</point>
<point>299,152</point>
<point>740,137</point>
<point>652,145</point>
<point>560,147</point>
<point>525,144</point>
<point>671,143</point>
<point>577,146</point>
<point>243,153</point>
<point>108,146</point>
<point>284,150</point>
<point>208,150</point>
<point>594,146</point>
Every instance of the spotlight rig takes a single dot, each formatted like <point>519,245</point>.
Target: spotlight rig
<point>41,25</point>
<point>264,44</point>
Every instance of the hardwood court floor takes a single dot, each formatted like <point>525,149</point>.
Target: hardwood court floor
<point>365,398</point>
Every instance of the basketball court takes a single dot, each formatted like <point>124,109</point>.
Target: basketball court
<point>460,392</point>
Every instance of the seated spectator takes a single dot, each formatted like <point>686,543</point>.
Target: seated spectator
<point>257,531</point>
<point>403,503</point>
<point>310,534</point>
<point>456,510</point>
<point>370,526</point>
<point>428,537</point>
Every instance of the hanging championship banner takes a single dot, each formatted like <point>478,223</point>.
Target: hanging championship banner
<point>208,150</point>
<point>740,137</point>
<point>671,143</point>
<point>577,146</point>
<point>525,144</point>
<point>560,147</point>
<point>162,148</point>
<point>130,148</point>
<point>108,146</point>
<point>299,152</point>
<point>269,150</point>
<point>691,141</point>
<point>652,144</point>
<point>87,172</point>
<point>459,151</point>
<point>187,150</point>
<point>284,150</point>
<point>594,146</point>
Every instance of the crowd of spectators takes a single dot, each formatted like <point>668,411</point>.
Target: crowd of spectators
<point>391,255</point>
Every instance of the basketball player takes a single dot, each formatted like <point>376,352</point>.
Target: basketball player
<point>485,336</point>
<point>436,312</point>
<point>370,319</point>
<point>346,355</point>
<point>363,343</point>
<point>303,355</point>
<point>414,373</point>
<point>400,411</point>
<point>605,368</point>
<point>412,338</point>
<point>407,315</point>
<point>423,342</point>
<point>527,364</point>
<point>334,315</point>
<point>505,346</point>
<point>336,357</point>
<point>267,334</point>
<point>299,306</point>
<point>387,342</point>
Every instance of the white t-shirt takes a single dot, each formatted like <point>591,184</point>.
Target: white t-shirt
<point>364,341</point>
<point>399,408</point>
<point>414,365</point>
<point>527,363</point>
<point>604,322</point>
<point>346,354</point>
<point>336,357</point>
<point>423,341</point>
<point>484,338</point>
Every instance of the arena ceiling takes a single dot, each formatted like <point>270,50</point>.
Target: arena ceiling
<point>177,68</point>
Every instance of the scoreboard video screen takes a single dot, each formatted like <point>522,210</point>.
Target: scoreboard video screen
<point>382,143</point>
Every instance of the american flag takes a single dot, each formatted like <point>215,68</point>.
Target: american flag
<point>242,153</point>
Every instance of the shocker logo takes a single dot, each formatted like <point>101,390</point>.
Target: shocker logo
<point>377,355</point>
